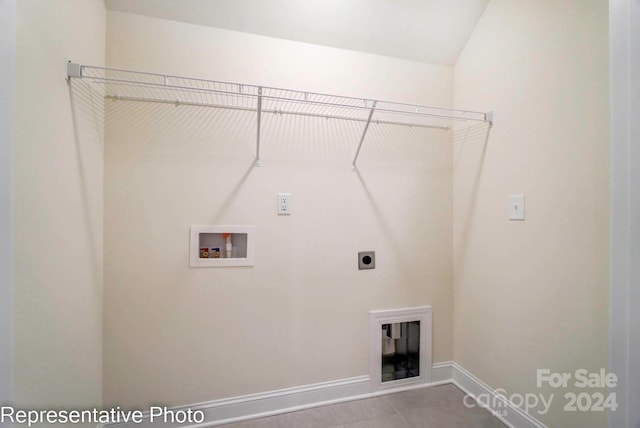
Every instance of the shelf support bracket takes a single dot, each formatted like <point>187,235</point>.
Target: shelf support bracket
<point>259,110</point>
<point>73,70</point>
<point>364,133</point>
<point>488,116</point>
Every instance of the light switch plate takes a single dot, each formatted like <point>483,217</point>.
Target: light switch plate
<point>516,207</point>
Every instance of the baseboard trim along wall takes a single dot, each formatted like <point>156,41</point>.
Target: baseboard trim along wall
<point>271,403</point>
<point>503,409</point>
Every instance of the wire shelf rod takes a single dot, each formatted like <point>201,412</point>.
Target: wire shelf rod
<point>304,94</point>
<point>128,83</point>
<point>314,103</point>
<point>439,116</point>
<point>163,76</point>
<point>188,90</point>
<point>276,112</point>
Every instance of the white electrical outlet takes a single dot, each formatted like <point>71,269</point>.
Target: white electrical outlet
<point>284,203</point>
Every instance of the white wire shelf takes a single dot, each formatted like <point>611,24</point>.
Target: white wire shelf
<point>152,87</point>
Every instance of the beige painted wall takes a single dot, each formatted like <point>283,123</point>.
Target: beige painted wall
<point>300,315</point>
<point>7,142</point>
<point>58,207</point>
<point>534,294</point>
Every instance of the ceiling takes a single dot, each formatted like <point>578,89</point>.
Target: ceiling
<point>431,31</point>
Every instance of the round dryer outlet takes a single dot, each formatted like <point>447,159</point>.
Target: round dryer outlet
<point>366,260</point>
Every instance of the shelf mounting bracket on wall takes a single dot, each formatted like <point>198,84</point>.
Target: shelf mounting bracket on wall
<point>364,134</point>
<point>73,70</point>
<point>488,117</point>
<point>259,110</point>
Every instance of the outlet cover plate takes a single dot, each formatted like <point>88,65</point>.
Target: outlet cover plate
<point>284,203</point>
<point>516,207</point>
<point>366,260</point>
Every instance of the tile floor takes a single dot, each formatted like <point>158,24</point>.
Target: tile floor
<point>431,407</point>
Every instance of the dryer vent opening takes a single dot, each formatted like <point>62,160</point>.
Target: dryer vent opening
<point>400,350</point>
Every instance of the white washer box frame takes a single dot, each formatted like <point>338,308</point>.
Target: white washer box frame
<point>194,251</point>
<point>380,317</point>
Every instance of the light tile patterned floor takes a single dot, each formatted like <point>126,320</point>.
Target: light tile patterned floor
<point>431,407</point>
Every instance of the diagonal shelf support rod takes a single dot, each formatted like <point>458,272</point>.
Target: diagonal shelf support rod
<point>364,134</point>
<point>259,110</point>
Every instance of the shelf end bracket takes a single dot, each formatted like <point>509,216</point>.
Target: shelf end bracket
<point>73,70</point>
<point>489,117</point>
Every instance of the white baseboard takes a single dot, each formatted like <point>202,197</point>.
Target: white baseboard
<point>253,406</point>
<point>442,373</point>
<point>507,412</point>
